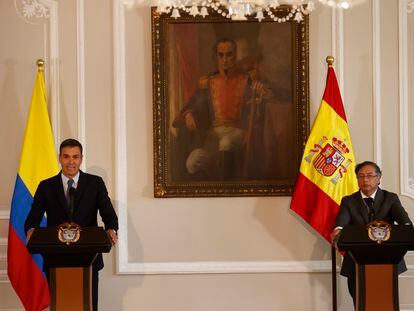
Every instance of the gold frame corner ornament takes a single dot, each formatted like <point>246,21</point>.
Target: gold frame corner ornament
<point>159,191</point>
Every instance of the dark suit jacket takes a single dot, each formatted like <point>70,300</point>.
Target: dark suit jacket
<point>91,196</point>
<point>353,211</point>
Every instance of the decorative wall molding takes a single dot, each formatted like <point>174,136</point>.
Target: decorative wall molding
<point>4,214</point>
<point>125,267</point>
<point>80,36</point>
<point>410,6</point>
<point>315,266</point>
<point>406,139</point>
<point>337,41</point>
<point>376,73</point>
<point>35,9</point>
<point>338,53</point>
<point>30,10</point>
<point>3,277</point>
<point>120,135</point>
<point>3,273</point>
<point>121,204</point>
<point>53,57</point>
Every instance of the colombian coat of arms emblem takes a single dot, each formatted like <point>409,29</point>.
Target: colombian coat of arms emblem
<point>69,233</point>
<point>379,231</point>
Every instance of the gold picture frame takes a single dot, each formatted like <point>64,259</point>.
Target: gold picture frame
<point>257,95</point>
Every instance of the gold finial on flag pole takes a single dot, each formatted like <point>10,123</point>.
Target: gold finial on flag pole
<point>330,60</point>
<point>40,63</point>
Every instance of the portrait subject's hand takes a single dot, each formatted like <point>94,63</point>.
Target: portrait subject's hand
<point>258,87</point>
<point>29,234</point>
<point>335,235</point>
<point>112,236</point>
<point>190,121</point>
<point>260,90</point>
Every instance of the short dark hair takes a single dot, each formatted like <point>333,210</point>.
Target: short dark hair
<point>70,142</point>
<point>366,163</point>
<point>225,40</point>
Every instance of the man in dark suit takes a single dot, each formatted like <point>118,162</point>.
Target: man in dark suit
<point>89,197</point>
<point>368,204</point>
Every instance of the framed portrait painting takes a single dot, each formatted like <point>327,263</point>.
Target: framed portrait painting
<point>230,105</point>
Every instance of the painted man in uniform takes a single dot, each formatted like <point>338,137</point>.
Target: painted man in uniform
<point>222,113</point>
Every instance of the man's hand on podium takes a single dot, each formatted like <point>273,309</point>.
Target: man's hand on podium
<point>29,234</point>
<point>335,235</point>
<point>112,236</point>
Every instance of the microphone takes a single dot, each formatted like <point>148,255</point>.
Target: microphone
<point>72,192</point>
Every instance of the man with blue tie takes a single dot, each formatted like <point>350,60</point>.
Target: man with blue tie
<point>368,204</point>
<point>74,196</point>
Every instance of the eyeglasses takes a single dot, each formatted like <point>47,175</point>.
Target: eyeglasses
<point>366,176</point>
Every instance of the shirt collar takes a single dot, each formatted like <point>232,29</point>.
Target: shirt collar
<point>372,195</point>
<point>65,179</point>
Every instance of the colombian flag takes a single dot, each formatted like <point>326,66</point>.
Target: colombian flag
<point>327,168</point>
<point>38,161</point>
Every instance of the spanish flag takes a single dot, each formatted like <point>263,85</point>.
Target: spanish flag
<point>327,168</point>
<point>37,162</point>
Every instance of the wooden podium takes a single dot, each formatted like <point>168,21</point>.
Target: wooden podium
<point>70,265</point>
<point>376,265</point>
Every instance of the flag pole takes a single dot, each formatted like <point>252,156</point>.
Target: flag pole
<point>330,60</point>
<point>334,297</point>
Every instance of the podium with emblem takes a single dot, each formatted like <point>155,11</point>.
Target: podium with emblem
<point>377,249</point>
<point>69,252</point>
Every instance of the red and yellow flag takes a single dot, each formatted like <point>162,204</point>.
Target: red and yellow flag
<point>327,168</point>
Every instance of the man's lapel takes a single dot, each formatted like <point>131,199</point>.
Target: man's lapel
<point>379,197</point>
<point>61,193</point>
<point>362,208</point>
<point>80,189</point>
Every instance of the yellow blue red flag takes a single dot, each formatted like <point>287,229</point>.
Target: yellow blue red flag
<point>327,168</point>
<point>38,161</point>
